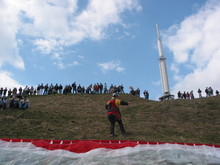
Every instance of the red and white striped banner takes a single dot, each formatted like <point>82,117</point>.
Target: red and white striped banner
<point>27,151</point>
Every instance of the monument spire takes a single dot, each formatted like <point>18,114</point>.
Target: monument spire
<point>163,69</point>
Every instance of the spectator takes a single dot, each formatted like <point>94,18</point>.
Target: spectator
<point>100,88</point>
<point>1,92</point>
<point>187,95</point>
<point>56,88</point>
<point>122,88</point>
<point>111,89</point>
<point>146,94</point>
<point>26,91</point>
<point>132,90</point>
<point>179,95</point>
<point>41,89</point>
<point>200,93</point>
<point>96,88</point>
<point>3,103</point>
<point>14,91</point>
<point>4,99</point>
<point>45,89</point>
<point>14,102</point>
<point>5,91</point>
<point>191,95</point>
<point>79,89</point>
<point>74,87</point>
<point>24,103</point>
<point>50,89</point>
<point>207,92</point>
<point>35,91</point>
<point>9,92</point>
<point>89,89</point>
<point>210,90</point>
<point>31,90</point>
<point>105,88</point>
<point>38,89</point>
<point>83,89</point>
<point>184,95</point>
<point>137,92</point>
<point>65,90</point>
<point>60,89</point>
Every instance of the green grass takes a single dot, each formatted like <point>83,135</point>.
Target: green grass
<point>74,117</point>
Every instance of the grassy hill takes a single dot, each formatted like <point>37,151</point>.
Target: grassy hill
<point>82,116</point>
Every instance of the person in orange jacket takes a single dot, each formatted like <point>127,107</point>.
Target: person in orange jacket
<point>114,114</point>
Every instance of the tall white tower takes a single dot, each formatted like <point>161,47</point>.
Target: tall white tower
<point>163,69</point>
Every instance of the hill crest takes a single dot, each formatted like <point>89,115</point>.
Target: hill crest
<point>83,116</point>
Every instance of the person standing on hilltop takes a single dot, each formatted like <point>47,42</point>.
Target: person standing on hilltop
<point>146,94</point>
<point>200,93</point>
<point>114,114</point>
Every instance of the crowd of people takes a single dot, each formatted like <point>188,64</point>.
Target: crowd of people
<point>15,97</point>
<point>67,89</point>
<point>77,89</point>
<point>190,95</point>
<point>185,95</point>
<point>14,102</point>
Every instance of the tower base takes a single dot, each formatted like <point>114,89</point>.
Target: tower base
<point>166,97</point>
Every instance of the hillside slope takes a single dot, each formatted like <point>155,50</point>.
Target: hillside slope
<point>75,117</point>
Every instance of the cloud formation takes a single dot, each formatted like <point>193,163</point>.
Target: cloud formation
<point>5,78</point>
<point>195,47</point>
<point>111,66</point>
<point>55,24</point>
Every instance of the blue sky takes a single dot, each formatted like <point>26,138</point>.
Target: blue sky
<point>110,41</point>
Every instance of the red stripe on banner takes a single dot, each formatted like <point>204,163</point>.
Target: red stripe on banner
<point>82,146</point>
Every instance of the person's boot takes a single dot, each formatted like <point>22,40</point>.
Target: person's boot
<point>122,128</point>
<point>112,130</point>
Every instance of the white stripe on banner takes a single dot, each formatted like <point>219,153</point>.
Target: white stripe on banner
<point>26,153</point>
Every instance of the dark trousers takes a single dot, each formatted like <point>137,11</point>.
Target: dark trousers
<point>112,118</point>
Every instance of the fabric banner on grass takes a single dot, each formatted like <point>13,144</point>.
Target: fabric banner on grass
<point>77,152</point>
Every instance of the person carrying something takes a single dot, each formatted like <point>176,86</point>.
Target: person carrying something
<point>114,114</point>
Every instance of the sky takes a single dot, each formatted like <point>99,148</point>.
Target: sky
<point>110,41</point>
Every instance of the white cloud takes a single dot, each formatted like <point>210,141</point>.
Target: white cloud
<point>81,57</point>
<point>75,63</point>
<point>59,64</point>
<point>126,34</point>
<point>55,24</point>
<point>6,80</point>
<point>111,66</point>
<point>195,46</point>
<point>9,50</point>
<point>47,46</point>
<point>93,21</point>
<point>174,68</point>
<point>57,56</point>
<point>59,23</point>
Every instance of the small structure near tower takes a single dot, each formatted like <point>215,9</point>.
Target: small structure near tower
<point>163,70</point>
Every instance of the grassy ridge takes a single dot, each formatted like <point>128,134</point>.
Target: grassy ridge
<point>74,117</point>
